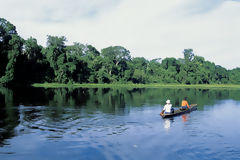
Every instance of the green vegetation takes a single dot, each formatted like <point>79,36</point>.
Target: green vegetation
<point>24,62</point>
<point>114,85</point>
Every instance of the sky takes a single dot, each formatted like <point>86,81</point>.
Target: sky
<point>147,28</point>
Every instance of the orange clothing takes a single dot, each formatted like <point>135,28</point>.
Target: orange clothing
<point>185,103</point>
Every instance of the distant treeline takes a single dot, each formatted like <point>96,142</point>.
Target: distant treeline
<point>26,62</point>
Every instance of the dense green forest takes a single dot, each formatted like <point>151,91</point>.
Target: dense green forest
<point>26,62</point>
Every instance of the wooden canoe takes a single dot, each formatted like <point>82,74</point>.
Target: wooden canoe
<point>193,107</point>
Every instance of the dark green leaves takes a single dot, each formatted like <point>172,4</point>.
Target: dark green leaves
<point>26,62</point>
<point>10,48</point>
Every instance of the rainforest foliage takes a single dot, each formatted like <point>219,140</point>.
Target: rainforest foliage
<point>26,62</point>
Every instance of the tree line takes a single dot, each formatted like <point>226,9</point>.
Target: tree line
<point>26,62</point>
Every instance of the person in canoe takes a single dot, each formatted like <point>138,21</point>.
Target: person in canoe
<point>167,109</point>
<point>185,104</point>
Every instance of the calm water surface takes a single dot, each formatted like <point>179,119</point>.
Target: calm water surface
<point>76,124</point>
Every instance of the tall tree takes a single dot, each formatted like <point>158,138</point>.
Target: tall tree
<point>10,48</point>
<point>234,76</point>
<point>77,62</point>
<point>115,60</point>
<point>31,66</point>
<point>222,75</point>
<point>188,55</point>
<point>56,56</point>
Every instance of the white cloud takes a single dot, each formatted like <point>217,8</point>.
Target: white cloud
<point>152,29</point>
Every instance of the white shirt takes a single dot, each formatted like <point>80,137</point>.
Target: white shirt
<point>167,108</point>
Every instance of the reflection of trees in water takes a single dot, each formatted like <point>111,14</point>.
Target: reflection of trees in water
<point>67,97</point>
<point>65,103</point>
<point>9,115</point>
<point>117,101</point>
<point>107,100</point>
<point>200,96</point>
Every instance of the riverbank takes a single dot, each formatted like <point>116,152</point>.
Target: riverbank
<point>77,85</point>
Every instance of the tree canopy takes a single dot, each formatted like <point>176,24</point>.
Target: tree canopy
<point>26,62</point>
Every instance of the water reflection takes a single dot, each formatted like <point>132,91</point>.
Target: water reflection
<point>9,115</point>
<point>71,114</point>
<point>167,123</point>
<point>185,117</point>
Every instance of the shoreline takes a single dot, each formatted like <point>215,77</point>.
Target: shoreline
<point>116,85</point>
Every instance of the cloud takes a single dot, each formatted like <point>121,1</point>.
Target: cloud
<point>47,11</point>
<point>150,29</point>
<point>202,6</point>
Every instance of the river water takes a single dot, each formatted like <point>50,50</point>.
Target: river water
<point>76,124</point>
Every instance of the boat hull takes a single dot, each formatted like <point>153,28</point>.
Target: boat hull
<point>179,112</point>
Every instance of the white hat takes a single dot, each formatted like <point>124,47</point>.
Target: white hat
<point>168,101</point>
